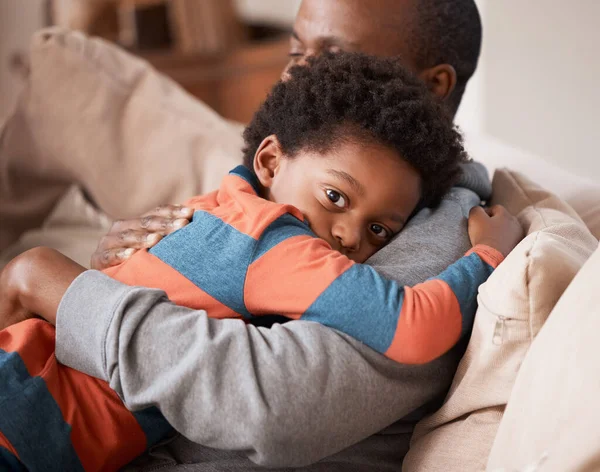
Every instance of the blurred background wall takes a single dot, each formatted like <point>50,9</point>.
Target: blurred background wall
<point>535,87</point>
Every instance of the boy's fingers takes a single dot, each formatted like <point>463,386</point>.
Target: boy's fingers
<point>495,210</point>
<point>477,213</point>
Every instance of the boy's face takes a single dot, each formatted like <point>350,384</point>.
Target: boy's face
<point>356,196</point>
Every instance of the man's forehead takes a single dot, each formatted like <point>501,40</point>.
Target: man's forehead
<point>378,14</point>
<point>374,26</point>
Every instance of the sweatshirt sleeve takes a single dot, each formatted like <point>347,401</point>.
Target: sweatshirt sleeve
<point>275,395</point>
<point>302,277</point>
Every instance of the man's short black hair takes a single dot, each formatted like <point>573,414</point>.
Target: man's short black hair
<point>447,32</point>
<point>352,96</point>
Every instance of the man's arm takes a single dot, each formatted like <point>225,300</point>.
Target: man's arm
<point>313,391</point>
<point>285,396</point>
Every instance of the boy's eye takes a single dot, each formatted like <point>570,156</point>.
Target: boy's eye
<point>336,198</point>
<point>380,231</point>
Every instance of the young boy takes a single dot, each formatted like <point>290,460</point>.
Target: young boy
<point>336,161</point>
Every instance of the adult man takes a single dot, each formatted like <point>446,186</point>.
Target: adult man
<point>439,40</point>
<point>297,393</point>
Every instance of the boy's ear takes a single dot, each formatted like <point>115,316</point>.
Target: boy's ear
<point>267,160</point>
<point>441,80</point>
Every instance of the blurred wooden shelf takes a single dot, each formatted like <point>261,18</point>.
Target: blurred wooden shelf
<point>233,83</point>
<point>201,44</point>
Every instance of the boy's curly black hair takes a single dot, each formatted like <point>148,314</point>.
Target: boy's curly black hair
<point>352,96</point>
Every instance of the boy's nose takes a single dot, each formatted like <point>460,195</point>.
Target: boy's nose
<point>347,237</point>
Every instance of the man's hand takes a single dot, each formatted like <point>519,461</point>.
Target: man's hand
<point>128,236</point>
<point>494,227</point>
<point>33,284</point>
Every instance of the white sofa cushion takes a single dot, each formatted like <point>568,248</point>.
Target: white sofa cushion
<point>552,419</point>
<point>513,306</point>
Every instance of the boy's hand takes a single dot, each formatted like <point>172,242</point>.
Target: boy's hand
<point>128,236</point>
<point>494,227</point>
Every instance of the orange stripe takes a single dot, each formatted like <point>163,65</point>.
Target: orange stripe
<point>7,445</point>
<point>289,278</point>
<point>488,254</point>
<point>429,324</point>
<point>147,270</point>
<point>34,354</point>
<point>237,205</point>
<point>247,212</point>
<point>203,202</point>
<point>105,435</point>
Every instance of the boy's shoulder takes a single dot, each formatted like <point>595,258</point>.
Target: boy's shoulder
<point>238,204</point>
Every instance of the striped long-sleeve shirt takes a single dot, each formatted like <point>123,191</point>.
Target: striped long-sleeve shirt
<point>243,256</point>
<point>240,257</point>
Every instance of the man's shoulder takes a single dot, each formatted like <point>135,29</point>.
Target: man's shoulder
<point>432,240</point>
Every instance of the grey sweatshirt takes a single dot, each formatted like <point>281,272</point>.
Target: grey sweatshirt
<point>243,396</point>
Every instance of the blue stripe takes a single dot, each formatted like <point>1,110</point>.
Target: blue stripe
<point>361,303</point>
<point>154,425</point>
<point>284,227</point>
<point>248,176</point>
<point>32,421</point>
<point>464,278</point>
<point>213,255</point>
<point>9,462</point>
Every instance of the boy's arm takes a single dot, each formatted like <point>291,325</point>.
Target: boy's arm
<point>33,283</point>
<point>301,277</point>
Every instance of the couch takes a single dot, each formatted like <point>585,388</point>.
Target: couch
<point>522,398</point>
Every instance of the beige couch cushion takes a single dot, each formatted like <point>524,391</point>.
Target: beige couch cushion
<point>513,305</point>
<point>95,115</point>
<point>74,228</point>
<point>552,419</point>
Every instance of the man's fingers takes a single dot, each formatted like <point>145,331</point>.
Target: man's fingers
<point>171,212</point>
<point>116,247</point>
<point>164,219</point>
<point>103,259</point>
<point>149,224</point>
<point>129,238</point>
<point>160,224</point>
